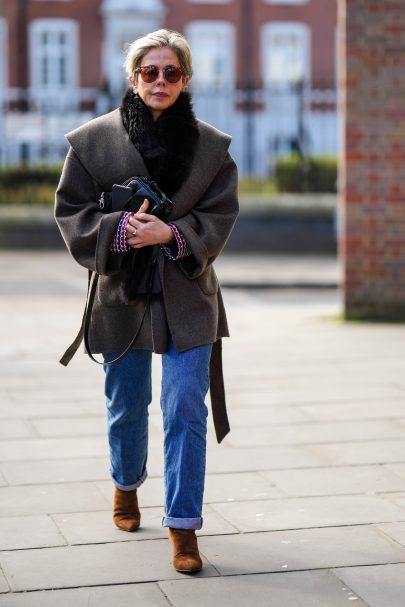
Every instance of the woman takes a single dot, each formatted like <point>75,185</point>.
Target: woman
<point>155,134</point>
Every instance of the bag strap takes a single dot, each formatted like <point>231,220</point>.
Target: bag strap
<point>84,330</point>
<point>74,346</point>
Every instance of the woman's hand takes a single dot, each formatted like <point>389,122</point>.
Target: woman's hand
<point>143,229</point>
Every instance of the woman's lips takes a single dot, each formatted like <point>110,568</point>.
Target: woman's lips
<point>160,95</point>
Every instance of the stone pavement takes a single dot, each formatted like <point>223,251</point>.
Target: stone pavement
<point>305,498</point>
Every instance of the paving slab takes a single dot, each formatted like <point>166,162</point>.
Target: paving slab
<point>245,417</point>
<point>300,513</point>
<point>301,434</point>
<point>50,448</point>
<point>383,409</point>
<point>56,471</point>
<point>125,595</point>
<point>311,397</point>
<point>223,459</point>
<point>71,426</point>
<point>29,409</point>
<point>16,428</point>
<point>17,533</point>
<point>98,527</point>
<point>397,469</point>
<point>114,563</point>
<point>378,585</point>
<point>47,499</point>
<point>335,480</point>
<point>395,531</point>
<point>302,549</point>
<point>60,448</point>
<point>4,587</point>
<point>292,589</point>
<point>397,498</point>
<point>238,487</point>
<point>371,452</point>
<point>56,391</point>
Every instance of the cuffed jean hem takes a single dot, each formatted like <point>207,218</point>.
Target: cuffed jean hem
<point>182,523</point>
<point>131,487</point>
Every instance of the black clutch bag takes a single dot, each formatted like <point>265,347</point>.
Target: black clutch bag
<point>130,195</point>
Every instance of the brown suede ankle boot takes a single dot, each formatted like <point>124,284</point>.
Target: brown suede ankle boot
<point>186,557</point>
<point>126,513</point>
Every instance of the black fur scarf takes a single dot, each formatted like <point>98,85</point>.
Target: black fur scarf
<point>167,145</point>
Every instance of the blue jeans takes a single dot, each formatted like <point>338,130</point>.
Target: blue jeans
<point>128,390</point>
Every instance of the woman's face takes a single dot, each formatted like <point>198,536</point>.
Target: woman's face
<point>160,94</point>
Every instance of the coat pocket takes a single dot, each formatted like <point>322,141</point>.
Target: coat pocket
<point>110,291</point>
<point>208,281</point>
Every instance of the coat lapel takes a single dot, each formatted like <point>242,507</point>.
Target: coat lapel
<point>105,150</point>
<point>208,158</point>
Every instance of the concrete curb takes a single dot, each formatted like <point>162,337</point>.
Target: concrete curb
<point>276,286</point>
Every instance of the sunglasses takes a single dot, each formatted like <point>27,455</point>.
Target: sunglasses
<point>150,73</point>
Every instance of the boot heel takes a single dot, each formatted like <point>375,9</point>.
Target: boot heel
<point>126,515</point>
<point>186,558</point>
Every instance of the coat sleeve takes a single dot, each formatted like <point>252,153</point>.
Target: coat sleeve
<point>87,232</point>
<point>208,225</point>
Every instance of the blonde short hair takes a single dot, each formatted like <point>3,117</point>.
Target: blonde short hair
<point>159,39</point>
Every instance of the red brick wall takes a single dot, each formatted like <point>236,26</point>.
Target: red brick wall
<point>87,14</point>
<point>372,242</point>
<point>319,15</point>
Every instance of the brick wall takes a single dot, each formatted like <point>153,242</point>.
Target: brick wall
<point>318,15</point>
<point>372,205</point>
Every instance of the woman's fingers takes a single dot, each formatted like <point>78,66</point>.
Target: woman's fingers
<point>144,229</point>
<point>144,207</point>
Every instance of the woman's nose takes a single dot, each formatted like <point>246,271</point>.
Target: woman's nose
<point>161,78</point>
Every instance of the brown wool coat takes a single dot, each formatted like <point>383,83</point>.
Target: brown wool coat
<point>205,210</point>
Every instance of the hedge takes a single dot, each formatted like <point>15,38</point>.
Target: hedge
<point>36,185</point>
<point>18,176</point>
<point>313,174</point>
<point>28,195</point>
<point>29,185</point>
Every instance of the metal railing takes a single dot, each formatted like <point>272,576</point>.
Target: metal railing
<point>264,123</point>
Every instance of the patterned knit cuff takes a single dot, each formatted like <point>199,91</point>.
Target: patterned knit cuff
<point>178,248</point>
<point>119,244</point>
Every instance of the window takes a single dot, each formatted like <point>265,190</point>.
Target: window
<point>3,56</point>
<point>53,53</point>
<point>285,53</point>
<point>119,32</point>
<point>124,21</point>
<point>212,44</point>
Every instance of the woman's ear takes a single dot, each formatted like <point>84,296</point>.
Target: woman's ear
<point>132,81</point>
<point>186,80</point>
